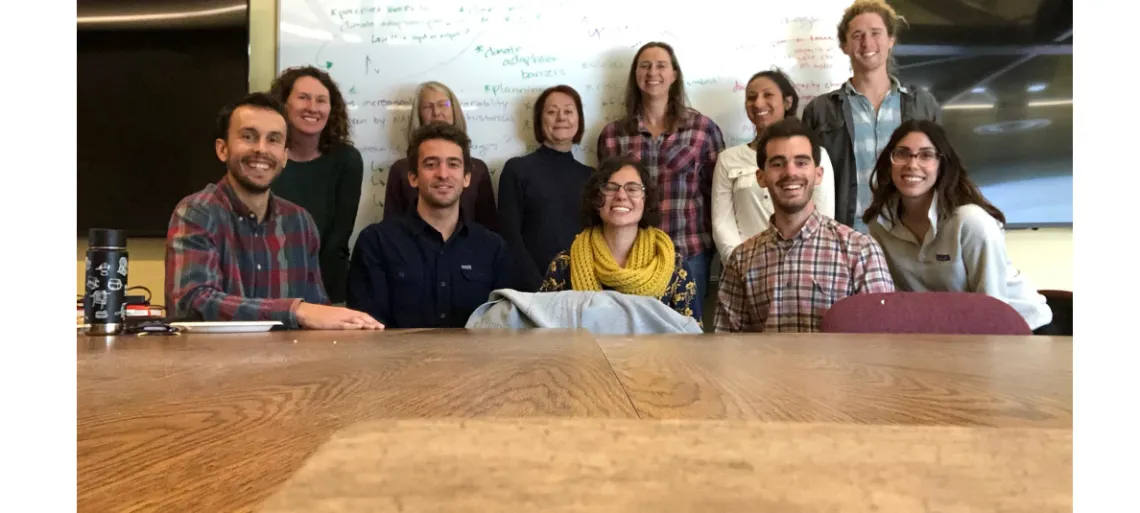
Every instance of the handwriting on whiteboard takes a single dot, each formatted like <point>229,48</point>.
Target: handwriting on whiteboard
<point>499,55</point>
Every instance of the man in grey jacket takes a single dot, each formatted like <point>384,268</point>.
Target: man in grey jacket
<point>855,121</point>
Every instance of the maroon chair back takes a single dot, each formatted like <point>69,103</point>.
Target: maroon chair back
<point>924,312</point>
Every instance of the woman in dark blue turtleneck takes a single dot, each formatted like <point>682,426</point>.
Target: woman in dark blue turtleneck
<point>540,193</point>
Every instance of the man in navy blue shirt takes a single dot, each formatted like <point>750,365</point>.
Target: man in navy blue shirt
<point>428,268</point>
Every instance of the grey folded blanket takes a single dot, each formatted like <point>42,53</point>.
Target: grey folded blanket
<point>606,312</point>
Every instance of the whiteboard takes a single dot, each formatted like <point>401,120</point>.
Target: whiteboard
<point>498,55</point>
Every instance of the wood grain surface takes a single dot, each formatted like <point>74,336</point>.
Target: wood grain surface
<point>213,423</point>
<point>594,465</point>
<point>880,379</point>
<point>217,422</point>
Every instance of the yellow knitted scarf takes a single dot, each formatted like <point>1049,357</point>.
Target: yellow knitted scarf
<point>647,270</point>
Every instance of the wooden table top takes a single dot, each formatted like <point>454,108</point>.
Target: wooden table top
<point>881,379</point>
<point>218,422</point>
<point>674,466</point>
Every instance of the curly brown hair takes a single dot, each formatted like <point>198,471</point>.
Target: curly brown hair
<point>786,128</point>
<point>891,19</point>
<point>437,130</point>
<point>592,198</point>
<point>336,130</point>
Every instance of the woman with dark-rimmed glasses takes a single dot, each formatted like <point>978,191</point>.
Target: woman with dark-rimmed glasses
<point>937,231</point>
<point>621,248</point>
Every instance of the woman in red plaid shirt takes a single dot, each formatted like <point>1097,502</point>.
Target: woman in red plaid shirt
<point>677,144</point>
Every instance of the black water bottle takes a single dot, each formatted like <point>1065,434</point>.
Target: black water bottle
<point>104,302</point>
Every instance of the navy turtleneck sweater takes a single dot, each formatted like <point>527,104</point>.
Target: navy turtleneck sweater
<point>540,195</point>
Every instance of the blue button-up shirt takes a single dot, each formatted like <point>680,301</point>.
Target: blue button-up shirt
<point>405,275</point>
<point>872,131</point>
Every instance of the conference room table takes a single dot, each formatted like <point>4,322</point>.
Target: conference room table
<point>218,422</point>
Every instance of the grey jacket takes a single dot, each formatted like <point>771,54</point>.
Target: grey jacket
<point>829,115</point>
<point>601,313</point>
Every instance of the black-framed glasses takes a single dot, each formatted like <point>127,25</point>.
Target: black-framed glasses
<point>632,189</point>
<point>902,156</point>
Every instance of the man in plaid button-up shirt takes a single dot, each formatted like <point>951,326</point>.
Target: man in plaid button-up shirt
<point>787,277</point>
<point>236,252</point>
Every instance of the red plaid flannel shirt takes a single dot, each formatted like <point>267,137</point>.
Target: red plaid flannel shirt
<point>223,265</point>
<point>682,162</point>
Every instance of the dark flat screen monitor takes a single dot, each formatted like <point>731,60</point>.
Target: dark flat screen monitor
<point>1004,77</point>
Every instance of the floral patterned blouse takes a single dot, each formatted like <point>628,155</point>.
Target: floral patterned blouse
<point>679,294</point>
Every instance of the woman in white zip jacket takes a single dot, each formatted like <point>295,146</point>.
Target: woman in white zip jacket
<point>740,207</point>
<point>937,231</point>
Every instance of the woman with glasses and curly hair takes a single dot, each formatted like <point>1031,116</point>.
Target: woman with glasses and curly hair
<point>620,248</point>
<point>937,231</point>
<point>324,171</point>
<point>678,143</point>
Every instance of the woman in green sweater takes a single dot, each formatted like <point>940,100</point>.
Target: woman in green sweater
<point>324,171</point>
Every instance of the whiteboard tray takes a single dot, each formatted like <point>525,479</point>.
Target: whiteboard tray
<point>227,327</point>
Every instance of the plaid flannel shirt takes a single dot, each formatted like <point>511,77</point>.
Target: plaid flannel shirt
<point>682,162</point>
<point>223,265</point>
<point>872,130</point>
<point>771,283</point>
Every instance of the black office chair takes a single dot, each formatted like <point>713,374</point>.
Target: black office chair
<point>1061,302</point>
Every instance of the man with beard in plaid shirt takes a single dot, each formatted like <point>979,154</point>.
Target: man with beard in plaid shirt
<point>785,278</point>
<point>237,252</point>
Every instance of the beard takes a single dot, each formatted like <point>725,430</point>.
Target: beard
<point>795,206</point>
<point>434,202</point>
<point>233,167</point>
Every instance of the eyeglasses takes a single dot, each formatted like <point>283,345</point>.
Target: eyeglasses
<point>903,156</point>
<point>440,105</point>
<point>632,189</point>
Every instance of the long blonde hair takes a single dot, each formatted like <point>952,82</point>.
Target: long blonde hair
<point>456,110</point>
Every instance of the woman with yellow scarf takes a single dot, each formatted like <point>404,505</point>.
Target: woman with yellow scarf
<point>621,248</point>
